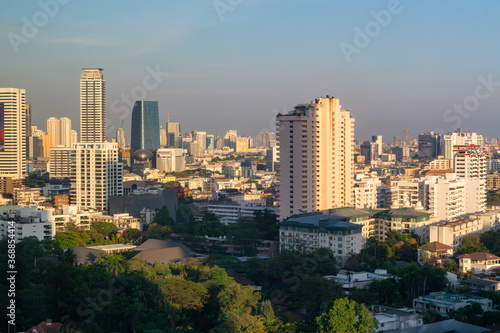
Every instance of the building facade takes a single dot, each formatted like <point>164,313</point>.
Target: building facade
<point>12,138</point>
<point>96,174</point>
<point>145,126</point>
<point>316,157</point>
<point>92,106</point>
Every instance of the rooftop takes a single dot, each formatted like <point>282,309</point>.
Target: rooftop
<point>325,221</point>
<point>479,256</point>
<point>436,247</point>
<point>481,282</point>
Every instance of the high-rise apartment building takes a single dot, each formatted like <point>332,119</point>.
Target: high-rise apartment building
<point>60,162</point>
<point>316,157</point>
<point>92,106</point>
<point>377,139</point>
<point>96,174</point>
<point>145,126</point>
<point>459,138</point>
<point>59,131</point>
<point>120,138</point>
<point>163,136</point>
<point>201,138</point>
<point>12,137</point>
<point>470,164</point>
<point>65,132</point>
<point>54,129</point>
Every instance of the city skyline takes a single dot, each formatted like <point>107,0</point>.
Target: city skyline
<point>238,68</point>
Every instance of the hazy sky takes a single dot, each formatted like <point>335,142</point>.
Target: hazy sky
<point>234,64</point>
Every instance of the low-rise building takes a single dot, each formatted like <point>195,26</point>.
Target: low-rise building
<point>360,280</point>
<point>451,233</point>
<point>230,213</point>
<point>478,262</point>
<point>26,222</point>
<point>397,319</point>
<point>309,232</point>
<point>444,302</point>
<point>481,284</point>
<point>28,196</point>
<point>433,250</point>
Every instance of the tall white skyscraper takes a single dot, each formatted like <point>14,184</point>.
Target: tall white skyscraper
<point>96,174</point>
<point>12,137</point>
<point>316,157</point>
<point>65,135</point>
<point>54,130</point>
<point>92,106</point>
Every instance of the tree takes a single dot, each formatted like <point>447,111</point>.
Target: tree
<point>471,243</point>
<point>162,217</point>
<point>112,263</point>
<point>315,292</point>
<point>345,315</point>
<point>66,239</point>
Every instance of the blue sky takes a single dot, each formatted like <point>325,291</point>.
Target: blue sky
<point>238,69</point>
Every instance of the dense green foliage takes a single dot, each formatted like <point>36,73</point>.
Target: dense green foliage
<point>128,296</point>
<point>471,243</point>
<point>347,316</point>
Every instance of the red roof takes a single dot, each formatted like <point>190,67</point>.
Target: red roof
<point>46,327</point>
<point>479,256</point>
<point>436,247</point>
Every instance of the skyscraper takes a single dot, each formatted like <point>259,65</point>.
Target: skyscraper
<point>120,138</point>
<point>92,106</point>
<point>406,137</point>
<point>316,157</point>
<point>163,136</point>
<point>54,129</point>
<point>65,132</point>
<point>145,126</point>
<point>12,137</point>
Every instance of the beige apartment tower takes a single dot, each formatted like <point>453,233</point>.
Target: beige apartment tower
<point>316,157</point>
<point>92,106</point>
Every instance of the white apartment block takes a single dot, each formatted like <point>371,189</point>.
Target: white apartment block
<point>461,138</point>
<point>171,159</point>
<point>96,175</point>
<point>92,106</point>
<point>469,162</point>
<point>365,191</point>
<point>447,198</point>
<point>451,233</point>
<point>316,157</point>
<point>13,150</point>
<point>27,222</point>
<point>60,162</point>
<point>231,213</point>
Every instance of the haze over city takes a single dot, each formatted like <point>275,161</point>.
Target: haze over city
<point>235,66</point>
